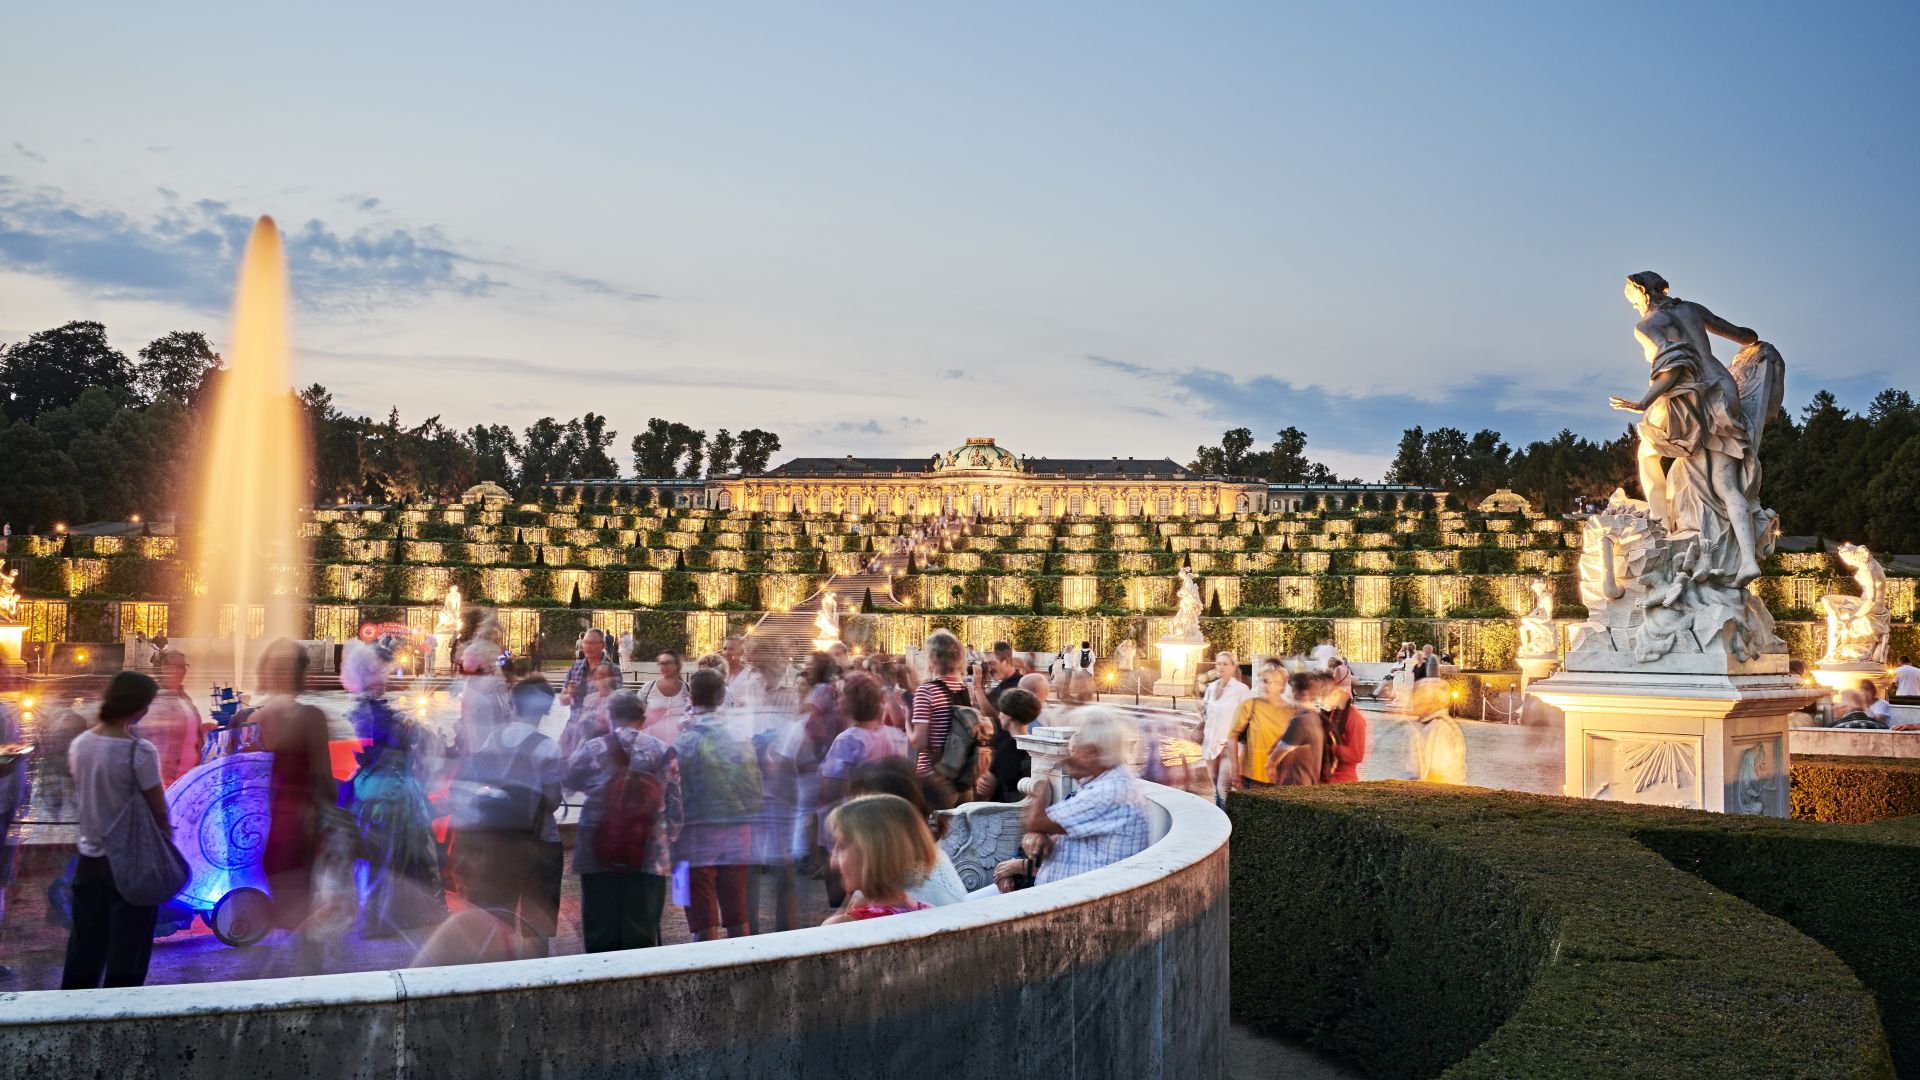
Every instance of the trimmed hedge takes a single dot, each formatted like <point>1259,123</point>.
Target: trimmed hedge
<point>1854,790</point>
<point>1421,930</point>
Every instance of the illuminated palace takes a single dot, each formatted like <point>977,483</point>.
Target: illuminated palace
<point>982,479</point>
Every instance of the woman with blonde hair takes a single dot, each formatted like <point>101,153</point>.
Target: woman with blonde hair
<point>880,847</point>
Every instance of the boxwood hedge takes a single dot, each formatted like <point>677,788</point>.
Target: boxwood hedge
<point>1852,790</point>
<point>1421,931</point>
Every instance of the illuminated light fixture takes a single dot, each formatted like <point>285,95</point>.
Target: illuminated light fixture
<point>136,519</point>
<point>59,526</point>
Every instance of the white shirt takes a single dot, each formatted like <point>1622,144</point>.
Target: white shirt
<point>107,773</point>
<point>1906,681</point>
<point>1218,706</point>
<point>1322,653</point>
<point>1881,711</point>
<point>941,886</point>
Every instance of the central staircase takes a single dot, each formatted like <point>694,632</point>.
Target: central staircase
<point>791,633</point>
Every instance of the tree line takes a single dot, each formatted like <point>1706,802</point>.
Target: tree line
<point>91,434</point>
<point>1830,473</point>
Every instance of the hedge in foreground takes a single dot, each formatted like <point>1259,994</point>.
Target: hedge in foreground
<point>1854,790</point>
<point>1418,930</point>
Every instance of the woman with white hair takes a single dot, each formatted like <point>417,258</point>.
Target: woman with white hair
<point>393,818</point>
<point>1437,753</point>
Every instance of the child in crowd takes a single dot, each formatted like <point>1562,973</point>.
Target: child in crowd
<point>880,847</point>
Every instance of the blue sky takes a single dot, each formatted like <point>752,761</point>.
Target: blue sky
<point>1084,229</point>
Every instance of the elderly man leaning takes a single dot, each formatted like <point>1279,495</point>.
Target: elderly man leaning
<point>1218,708</point>
<point>1102,822</point>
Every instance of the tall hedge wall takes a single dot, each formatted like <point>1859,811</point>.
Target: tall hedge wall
<point>1421,931</point>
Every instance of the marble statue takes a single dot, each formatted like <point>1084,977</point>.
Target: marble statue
<point>827,623</point>
<point>9,600</point>
<point>1857,626</point>
<point>1537,636</point>
<point>1664,579</point>
<point>1126,657</point>
<point>1186,614</point>
<point>1707,419</point>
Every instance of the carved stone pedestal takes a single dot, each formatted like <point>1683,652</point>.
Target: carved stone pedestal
<point>1705,742</point>
<point>1179,664</point>
<point>1535,668</point>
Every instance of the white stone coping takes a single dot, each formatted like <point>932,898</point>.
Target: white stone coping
<point>1198,829</point>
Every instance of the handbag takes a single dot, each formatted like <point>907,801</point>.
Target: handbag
<point>147,868</point>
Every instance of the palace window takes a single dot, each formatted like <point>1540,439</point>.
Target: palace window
<point>1133,506</point>
<point>1006,506</point>
<point>1106,506</point>
<point>1164,505</point>
<point>1046,506</point>
<point>1240,505</point>
<point>1193,506</point>
<point>1073,506</point>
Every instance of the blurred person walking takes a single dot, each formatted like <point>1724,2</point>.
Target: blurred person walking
<point>509,860</point>
<point>393,819</point>
<point>624,850</point>
<point>302,790</point>
<point>172,723</point>
<point>1301,756</point>
<point>1219,707</point>
<point>720,793</point>
<point>665,699</point>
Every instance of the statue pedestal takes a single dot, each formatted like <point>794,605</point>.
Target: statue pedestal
<point>11,636</point>
<point>1179,664</point>
<point>825,644</point>
<point>1704,742</point>
<point>1835,677</point>
<point>1535,668</point>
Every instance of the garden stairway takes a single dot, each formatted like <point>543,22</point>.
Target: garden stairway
<point>791,633</point>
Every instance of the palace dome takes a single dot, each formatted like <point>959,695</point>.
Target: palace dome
<point>977,455</point>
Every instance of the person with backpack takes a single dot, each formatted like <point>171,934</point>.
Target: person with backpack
<point>506,842</point>
<point>720,796</point>
<point>945,728</point>
<point>624,851</point>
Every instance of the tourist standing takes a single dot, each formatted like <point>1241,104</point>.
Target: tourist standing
<point>1906,679</point>
<point>624,850</point>
<point>111,941</point>
<point>589,717</point>
<point>507,844</point>
<point>1261,721</point>
<point>302,791</point>
<point>625,653</point>
<point>932,717</point>
<point>1438,750</point>
<point>665,699</point>
<point>720,793</point>
<point>1300,758</point>
<point>172,723</point>
<point>592,653</point>
<point>1007,764</point>
<point>879,849</point>
<point>389,804</point>
<point>1219,706</point>
<point>1347,726</point>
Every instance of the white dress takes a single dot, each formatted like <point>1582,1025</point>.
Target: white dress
<point>1437,752</point>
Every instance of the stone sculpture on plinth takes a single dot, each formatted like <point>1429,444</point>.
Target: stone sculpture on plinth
<point>826,625</point>
<point>1180,650</point>
<point>1857,626</point>
<point>1676,687</point>
<point>1539,651</point>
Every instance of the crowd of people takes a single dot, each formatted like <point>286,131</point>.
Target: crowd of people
<point>717,790</point>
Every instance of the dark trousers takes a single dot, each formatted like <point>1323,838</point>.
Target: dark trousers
<point>110,936</point>
<point>515,877</point>
<point>620,909</point>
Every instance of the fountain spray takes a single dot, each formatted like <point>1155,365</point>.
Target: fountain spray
<point>252,472</point>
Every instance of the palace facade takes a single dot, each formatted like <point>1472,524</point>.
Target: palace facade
<point>980,478</point>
